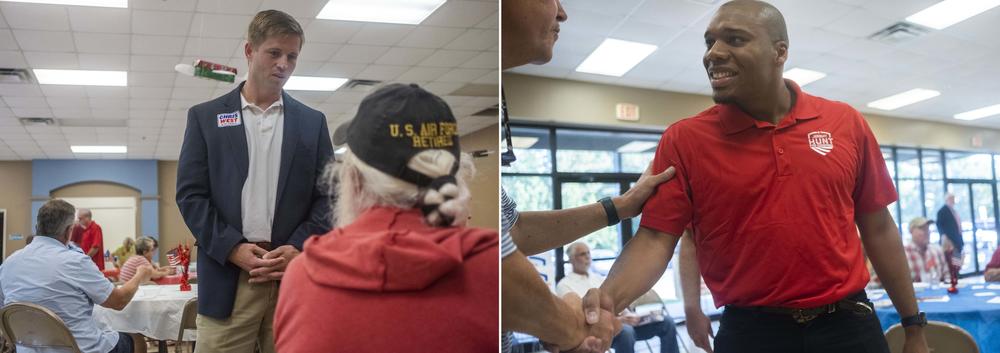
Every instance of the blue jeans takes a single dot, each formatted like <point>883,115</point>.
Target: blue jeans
<point>624,342</point>
<point>125,344</point>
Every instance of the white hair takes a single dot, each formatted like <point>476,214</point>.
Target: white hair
<point>359,187</point>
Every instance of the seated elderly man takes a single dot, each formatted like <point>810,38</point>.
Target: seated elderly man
<point>401,272</point>
<point>927,261</point>
<point>581,280</point>
<point>51,274</point>
<point>993,268</point>
<point>145,247</point>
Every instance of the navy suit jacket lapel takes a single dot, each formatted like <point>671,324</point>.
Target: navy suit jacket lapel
<point>289,143</point>
<point>237,137</point>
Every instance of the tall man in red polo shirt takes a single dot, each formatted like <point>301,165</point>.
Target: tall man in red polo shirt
<point>92,239</point>
<point>773,182</point>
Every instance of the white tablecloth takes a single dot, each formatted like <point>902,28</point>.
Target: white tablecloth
<point>155,312</point>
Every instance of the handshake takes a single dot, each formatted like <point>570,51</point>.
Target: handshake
<point>593,327</point>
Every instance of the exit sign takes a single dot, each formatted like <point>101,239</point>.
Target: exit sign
<point>627,112</point>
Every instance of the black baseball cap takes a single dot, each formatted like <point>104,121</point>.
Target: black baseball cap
<point>398,121</point>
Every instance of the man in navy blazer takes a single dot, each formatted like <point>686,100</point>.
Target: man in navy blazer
<point>247,188</point>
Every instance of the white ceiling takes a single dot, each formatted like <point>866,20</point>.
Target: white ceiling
<point>827,36</point>
<point>456,46</point>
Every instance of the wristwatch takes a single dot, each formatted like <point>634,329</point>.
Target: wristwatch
<point>920,319</point>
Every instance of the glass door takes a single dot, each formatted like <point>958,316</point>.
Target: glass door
<point>975,203</point>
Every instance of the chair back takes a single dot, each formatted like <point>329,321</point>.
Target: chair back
<point>189,317</point>
<point>941,337</point>
<point>649,297</point>
<point>32,325</point>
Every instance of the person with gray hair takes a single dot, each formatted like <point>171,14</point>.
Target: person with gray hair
<point>401,262</point>
<point>49,273</point>
<point>145,247</point>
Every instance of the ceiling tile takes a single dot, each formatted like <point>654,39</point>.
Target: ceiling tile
<point>157,45</point>
<point>99,19</point>
<point>211,47</point>
<point>462,75</point>
<point>12,59</point>
<point>39,60</point>
<point>431,37</point>
<point>31,16</point>
<point>72,113</point>
<point>103,43</point>
<point>47,41</point>
<point>166,23</point>
<point>60,91</point>
<point>329,31</point>
<point>404,56</point>
<point>171,5</point>
<point>148,114</point>
<point>219,26</point>
<point>380,34</point>
<point>360,54</point>
<point>25,102</point>
<point>338,69</point>
<point>318,51</point>
<point>57,103</point>
<point>104,62</point>
<point>422,74</point>
<point>460,14</point>
<point>382,72</point>
<point>448,58</point>
<point>243,7</point>
<point>32,112</point>
<point>474,39</point>
<point>7,40</point>
<point>485,60</point>
<point>153,63</point>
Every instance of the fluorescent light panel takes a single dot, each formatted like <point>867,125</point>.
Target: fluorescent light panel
<point>979,113</point>
<point>308,83</point>
<point>523,142</point>
<point>81,77</point>
<point>98,3</point>
<point>615,57</point>
<point>903,99</point>
<point>408,12</point>
<point>949,12</point>
<point>636,146</point>
<point>99,149</point>
<point>802,76</point>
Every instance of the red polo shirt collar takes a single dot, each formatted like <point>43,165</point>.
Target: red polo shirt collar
<point>734,119</point>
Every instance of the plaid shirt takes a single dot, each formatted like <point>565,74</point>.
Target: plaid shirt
<point>929,266</point>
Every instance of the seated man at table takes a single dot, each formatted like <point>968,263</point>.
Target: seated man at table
<point>581,280</point>
<point>927,261</point>
<point>993,268</point>
<point>48,273</point>
<point>145,247</point>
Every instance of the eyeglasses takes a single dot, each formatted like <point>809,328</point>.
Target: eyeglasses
<point>507,157</point>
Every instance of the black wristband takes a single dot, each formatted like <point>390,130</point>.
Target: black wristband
<point>920,319</point>
<point>610,211</point>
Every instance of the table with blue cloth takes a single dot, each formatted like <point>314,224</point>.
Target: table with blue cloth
<point>964,309</point>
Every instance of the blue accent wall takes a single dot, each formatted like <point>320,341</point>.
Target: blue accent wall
<point>51,174</point>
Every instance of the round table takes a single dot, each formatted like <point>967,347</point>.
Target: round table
<point>964,309</point>
<point>155,312</point>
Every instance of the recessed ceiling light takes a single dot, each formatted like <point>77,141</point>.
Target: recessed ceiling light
<point>98,149</point>
<point>81,77</point>
<point>615,57</point>
<point>408,12</point>
<point>949,12</point>
<point>98,3</point>
<point>803,77</point>
<point>307,83</point>
<point>636,146</point>
<point>904,99</point>
<point>979,113</point>
<point>523,142</point>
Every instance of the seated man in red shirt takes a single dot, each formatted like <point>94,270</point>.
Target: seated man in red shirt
<point>775,185</point>
<point>993,268</point>
<point>927,262</point>
<point>401,272</point>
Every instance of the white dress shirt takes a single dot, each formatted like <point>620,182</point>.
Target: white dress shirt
<point>577,283</point>
<point>264,129</point>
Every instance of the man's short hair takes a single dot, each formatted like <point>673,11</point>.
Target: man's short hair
<point>54,217</point>
<point>270,23</point>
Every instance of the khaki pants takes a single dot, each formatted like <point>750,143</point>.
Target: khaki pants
<point>251,323</point>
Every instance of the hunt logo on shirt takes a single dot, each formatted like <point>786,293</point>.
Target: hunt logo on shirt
<point>228,119</point>
<point>821,142</point>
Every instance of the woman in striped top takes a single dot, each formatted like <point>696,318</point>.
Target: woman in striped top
<point>144,249</point>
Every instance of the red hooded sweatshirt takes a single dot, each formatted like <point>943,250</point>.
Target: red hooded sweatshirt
<point>390,283</point>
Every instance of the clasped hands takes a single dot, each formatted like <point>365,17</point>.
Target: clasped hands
<point>262,265</point>
<point>595,324</point>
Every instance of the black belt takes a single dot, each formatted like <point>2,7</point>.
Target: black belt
<point>857,303</point>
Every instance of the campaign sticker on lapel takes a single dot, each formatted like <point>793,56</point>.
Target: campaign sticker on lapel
<point>229,119</point>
